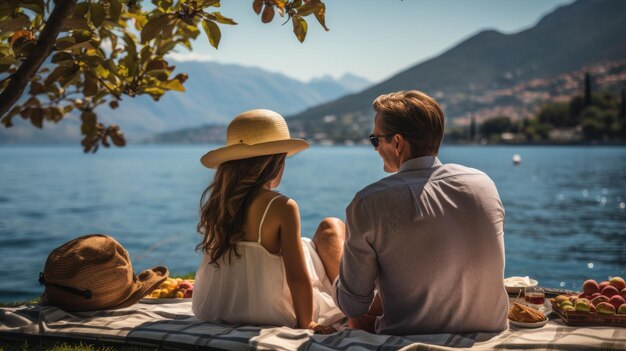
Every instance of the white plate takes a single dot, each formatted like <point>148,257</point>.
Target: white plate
<point>529,325</point>
<point>517,289</point>
<point>164,300</point>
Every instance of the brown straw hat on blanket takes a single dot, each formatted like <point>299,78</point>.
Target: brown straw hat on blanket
<point>255,133</point>
<point>93,272</point>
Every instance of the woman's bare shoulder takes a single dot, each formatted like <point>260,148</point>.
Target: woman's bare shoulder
<point>284,204</point>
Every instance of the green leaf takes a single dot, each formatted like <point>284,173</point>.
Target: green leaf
<point>56,114</point>
<point>36,6</point>
<point>169,28</point>
<point>257,5</point>
<point>62,57</point>
<point>131,47</point>
<point>84,44</point>
<point>97,14</point>
<point>81,8</point>
<point>166,47</point>
<point>64,43</point>
<point>309,7</point>
<point>207,3</point>
<point>116,135</point>
<point>213,32</point>
<point>321,17</point>
<point>268,14</point>
<point>14,24</point>
<point>145,54</point>
<point>36,88</point>
<point>89,120</point>
<point>75,22</point>
<point>299,27</point>
<point>69,78</point>
<point>36,117</point>
<point>221,19</point>
<point>154,27</point>
<point>90,85</point>
<point>154,92</point>
<point>7,60</point>
<point>92,60</point>
<point>157,64</point>
<point>173,84</point>
<point>115,11</point>
<point>58,72</point>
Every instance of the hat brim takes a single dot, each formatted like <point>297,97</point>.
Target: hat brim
<point>147,281</point>
<point>214,158</point>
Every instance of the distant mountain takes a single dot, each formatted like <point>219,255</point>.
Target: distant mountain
<point>347,82</point>
<point>584,33</point>
<point>215,93</point>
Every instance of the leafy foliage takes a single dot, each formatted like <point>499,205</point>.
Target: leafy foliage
<point>108,50</point>
<point>496,125</point>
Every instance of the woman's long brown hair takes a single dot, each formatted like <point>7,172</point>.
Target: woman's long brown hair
<point>224,203</point>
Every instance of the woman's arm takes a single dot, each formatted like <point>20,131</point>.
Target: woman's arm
<point>295,267</point>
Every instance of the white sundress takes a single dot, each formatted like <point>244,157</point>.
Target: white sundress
<point>253,288</point>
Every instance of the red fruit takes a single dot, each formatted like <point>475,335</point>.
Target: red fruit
<point>605,308</point>
<point>599,299</point>
<point>185,285</point>
<point>610,291</point>
<point>590,287</point>
<point>616,301</point>
<point>617,282</point>
<point>582,295</point>
<point>592,308</point>
<point>595,295</point>
<point>623,293</point>
<point>603,285</point>
<point>189,293</point>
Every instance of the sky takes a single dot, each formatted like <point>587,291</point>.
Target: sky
<point>372,39</point>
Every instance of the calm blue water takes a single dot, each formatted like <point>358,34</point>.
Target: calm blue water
<point>565,216</point>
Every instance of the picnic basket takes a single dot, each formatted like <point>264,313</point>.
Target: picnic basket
<point>588,318</point>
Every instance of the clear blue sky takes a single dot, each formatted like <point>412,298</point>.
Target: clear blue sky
<point>372,39</point>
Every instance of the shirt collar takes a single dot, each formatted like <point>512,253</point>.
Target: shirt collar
<point>420,163</point>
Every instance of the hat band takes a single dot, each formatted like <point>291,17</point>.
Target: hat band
<point>84,293</point>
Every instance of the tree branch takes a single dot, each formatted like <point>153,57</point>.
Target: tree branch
<point>36,56</point>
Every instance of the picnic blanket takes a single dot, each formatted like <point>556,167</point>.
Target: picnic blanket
<point>174,326</point>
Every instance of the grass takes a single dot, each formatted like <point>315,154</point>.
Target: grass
<point>38,344</point>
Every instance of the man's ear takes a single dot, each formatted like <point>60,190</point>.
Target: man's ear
<point>398,144</point>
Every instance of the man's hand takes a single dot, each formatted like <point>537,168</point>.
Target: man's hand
<point>321,329</point>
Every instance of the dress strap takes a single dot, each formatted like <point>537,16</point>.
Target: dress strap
<point>264,213</point>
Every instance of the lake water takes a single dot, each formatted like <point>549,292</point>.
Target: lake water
<point>565,211</point>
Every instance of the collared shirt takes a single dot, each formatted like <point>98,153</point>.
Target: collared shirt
<point>429,239</point>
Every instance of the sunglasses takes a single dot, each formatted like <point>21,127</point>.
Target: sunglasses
<point>375,139</point>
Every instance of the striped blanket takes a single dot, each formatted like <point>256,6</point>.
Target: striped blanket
<point>174,326</point>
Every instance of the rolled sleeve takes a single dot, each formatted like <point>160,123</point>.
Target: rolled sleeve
<point>354,287</point>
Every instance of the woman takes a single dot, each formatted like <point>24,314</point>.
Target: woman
<point>256,269</point>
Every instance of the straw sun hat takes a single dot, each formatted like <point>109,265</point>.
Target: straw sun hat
<point>255,133</point>
<point>93,272</point>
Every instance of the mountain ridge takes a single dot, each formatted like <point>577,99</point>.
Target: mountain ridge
<point>603,19</point>
<point>215,92</point>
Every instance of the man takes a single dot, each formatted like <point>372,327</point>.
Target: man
<point>428,239</point>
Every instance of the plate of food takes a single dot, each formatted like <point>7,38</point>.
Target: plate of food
<point>526,317</point>
<point>172,290</point>
<point>515,285</point>
<point>158,300</point>
<point>529,324</point>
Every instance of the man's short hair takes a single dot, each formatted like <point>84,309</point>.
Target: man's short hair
<point>414,115</point>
